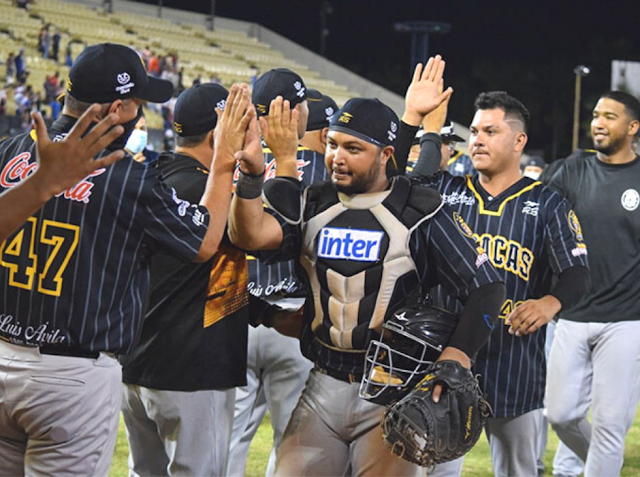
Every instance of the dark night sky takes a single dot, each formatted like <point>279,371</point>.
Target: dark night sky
<point>526,48</point>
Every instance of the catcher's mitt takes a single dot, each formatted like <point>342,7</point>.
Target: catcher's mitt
<point>428,433</point>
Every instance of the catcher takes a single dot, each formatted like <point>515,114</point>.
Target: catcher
<point>363,243</point>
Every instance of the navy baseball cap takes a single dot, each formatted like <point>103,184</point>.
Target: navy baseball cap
<point>368,119</point>
<point>321,108</point>
<point>195,109</point>
<point>278,82</point>
<point>106,72</point>
<point>448,134</point>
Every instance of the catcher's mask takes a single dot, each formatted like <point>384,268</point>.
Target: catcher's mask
<point>410,341</point>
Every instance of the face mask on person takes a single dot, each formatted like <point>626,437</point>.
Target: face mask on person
<point>531,175</point>
<point>137,141</point>
<point>130,126</point>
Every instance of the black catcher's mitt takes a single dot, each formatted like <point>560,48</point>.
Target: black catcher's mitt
<point>427,433</point>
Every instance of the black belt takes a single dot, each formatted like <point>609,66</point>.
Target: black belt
<point>340,375</point>
<point>75,353</point>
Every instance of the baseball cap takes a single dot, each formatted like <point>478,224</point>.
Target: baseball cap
<point>321,108</point>
<point>194,112</point>
<point>447,133</point>
<point>535,161</point>
<point>106,72</point>
<point>368,119</point>
<point>277,82</point>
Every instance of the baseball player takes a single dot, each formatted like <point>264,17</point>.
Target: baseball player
<point>529,233</point>
<point>179,381</point>
<point>595,357</point>
<point>277,370</point>
<point>362,244</point>
<point>57,172</point>
<point>74,277</point>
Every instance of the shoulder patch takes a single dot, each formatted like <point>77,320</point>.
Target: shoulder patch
<point>462,225</point>
<point>574,224</point>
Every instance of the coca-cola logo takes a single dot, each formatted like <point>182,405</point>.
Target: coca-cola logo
<point>20,167</point>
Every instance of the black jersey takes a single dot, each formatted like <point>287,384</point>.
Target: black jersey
<point>606,197</point>
<point>194,335</point>
<point>76,274</point>
<point>279,278</point>
<point>530,233</point>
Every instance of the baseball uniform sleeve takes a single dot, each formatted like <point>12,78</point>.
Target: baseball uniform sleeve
<point>175,225</point>
<point>564,235</point>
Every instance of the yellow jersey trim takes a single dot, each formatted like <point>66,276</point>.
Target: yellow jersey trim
<point>498,213</point>
<point>454,158</point>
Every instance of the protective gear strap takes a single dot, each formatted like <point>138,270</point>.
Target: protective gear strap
<point>284,195</point>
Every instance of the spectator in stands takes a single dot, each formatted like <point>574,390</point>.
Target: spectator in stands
<point>10,69</point>
<point>68,56</point>
<point>55,45</point>
<point>197,80</point>
<point>154,65</point>
<point>170,74</point>
<point>215,79</point>
<point>3,102</point>
<point>21,69</point>
<point>146,56</point>
<point>44,41</point>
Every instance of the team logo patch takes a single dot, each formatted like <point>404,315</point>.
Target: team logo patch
<point>329,112</point>
<point>630,199</point>
<point>123,78</point>
<point>349,244</point>
<point>299,89</point>
<point>262,108</point>
<point>574,224</point>
<point>462,225</point>
<point>221,104</point>
<point>177,127</point>
<point>345,118</point>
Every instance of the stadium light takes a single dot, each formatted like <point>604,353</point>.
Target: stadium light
<point>579,71</point>
<point>420,31</point>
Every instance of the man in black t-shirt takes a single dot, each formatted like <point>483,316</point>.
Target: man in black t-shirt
<point>595,357</point>
<point>180,380</point>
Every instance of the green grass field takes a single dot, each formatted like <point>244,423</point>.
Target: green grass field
<point>476,464</point>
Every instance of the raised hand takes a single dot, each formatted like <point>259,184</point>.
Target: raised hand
<point>423,96</point>
<point>234,121</point>
<point>250,157</point>
<point>434,121</point>
<point>62,164</point>
<point>280,132</point>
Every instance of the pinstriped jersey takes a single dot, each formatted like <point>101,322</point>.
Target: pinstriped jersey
<point>529,233</point>
<point>75,275</point>
<point>280,278</point>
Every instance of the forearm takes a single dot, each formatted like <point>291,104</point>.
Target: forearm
<point>217,200</point>
<point>287,166</point>
<point>21,202</point>
<point>406,134</point>
<point>478,318</point>
<point>430,155</point>
<point>251,228</point>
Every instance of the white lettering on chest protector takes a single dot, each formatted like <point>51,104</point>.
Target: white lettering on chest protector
<point>349,244</point>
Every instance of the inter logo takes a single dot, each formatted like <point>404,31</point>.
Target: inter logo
<point>349,244</point>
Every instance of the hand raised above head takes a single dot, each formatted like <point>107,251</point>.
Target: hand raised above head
<point>234,121</point>
<point>423,94</point>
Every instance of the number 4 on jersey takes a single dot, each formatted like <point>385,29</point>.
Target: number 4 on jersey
<point>20,255</point>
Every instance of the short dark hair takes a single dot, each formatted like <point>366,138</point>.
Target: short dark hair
<point>513,109</point>
<point>191,141</point>
<point>631,103</point>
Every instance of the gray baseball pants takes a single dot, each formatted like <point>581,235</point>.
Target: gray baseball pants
<point>594,365</point>
<point>58,414</point>
<point>177,433</point>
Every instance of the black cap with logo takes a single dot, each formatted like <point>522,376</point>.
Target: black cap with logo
<point>448,133</point>
<point>278,82</point>
<point>106,72</point>
<point>195,109</point>
<point>321,108</point>
<point>368,119</point>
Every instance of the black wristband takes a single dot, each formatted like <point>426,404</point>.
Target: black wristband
<point>249,186</point>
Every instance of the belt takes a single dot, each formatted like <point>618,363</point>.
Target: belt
<point>340,375</point>
<point>73,352</point>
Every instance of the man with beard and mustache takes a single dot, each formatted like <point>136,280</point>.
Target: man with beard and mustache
<point>363,243</point>
<point>74,278</point>
<point>595,357</point>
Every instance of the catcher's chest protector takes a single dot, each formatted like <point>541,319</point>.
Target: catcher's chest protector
<point>356,254</point>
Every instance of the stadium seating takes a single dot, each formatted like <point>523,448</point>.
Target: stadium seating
<point>230,55</point>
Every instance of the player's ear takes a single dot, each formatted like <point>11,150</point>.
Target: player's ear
<point>520,141</point>
<point>115,107</point>
<point>385,155</point>
<point>323,137</point>
<point>633,127</point>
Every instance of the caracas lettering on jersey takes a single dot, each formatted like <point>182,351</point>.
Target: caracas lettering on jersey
<point>349,244</point>
<point>507,254</point>
<point>19,168</point>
